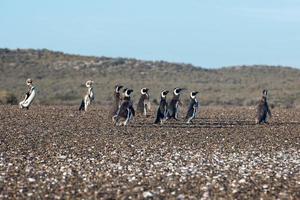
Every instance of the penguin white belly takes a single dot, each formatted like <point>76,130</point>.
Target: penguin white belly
<point>176,110</point>
<point>145,108</point>
<point>26,103</point>
<point>87,102</point>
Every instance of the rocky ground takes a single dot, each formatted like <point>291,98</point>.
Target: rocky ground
<point>53,152</point>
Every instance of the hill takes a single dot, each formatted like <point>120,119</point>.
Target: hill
<point>60,79</point>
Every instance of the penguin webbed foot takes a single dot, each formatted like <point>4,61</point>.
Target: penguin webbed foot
<point>190,122</point>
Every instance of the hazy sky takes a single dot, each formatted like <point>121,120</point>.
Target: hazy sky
<point>211,33</point>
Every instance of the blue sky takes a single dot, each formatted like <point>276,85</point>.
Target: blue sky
<point>212,33</point>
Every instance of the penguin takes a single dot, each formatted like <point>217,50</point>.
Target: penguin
<point>144,103</point>
<point>126,109</point>
<point>117,99</point>
<point>193,107</point>
<point>121,97</point>
<point>29,96</point>
<point>89,97</point>
<point>162,108</point>
<point>173,106</point>
<point>263,109</point>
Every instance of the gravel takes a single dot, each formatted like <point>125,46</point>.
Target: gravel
<point>56,152</point>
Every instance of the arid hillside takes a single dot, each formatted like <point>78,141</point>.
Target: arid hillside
<point>60,78</point>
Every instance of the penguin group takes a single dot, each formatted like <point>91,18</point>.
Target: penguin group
<point>122,107</point>
<point>123,112</point>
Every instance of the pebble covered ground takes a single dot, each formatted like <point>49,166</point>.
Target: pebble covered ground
<point>56,152</point>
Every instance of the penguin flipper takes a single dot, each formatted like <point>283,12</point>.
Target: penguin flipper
<point>157,120</point>
<point>132,111</point>
<point>81,105</point>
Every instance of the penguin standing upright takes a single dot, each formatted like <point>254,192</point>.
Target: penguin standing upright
<point>89,97</point>
<point>117,99</point>
<point>162,108</point>
<point>29,96</point>
<point>173,106</point>
<point>263,109</point>
<point>144,103</point>
<point>193,107</point>
<point>126,110</point>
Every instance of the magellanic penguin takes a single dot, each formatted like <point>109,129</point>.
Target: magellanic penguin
<point>117,99</point>
<point>121,96</point>
<point>263,109</point>
<point>143,105</point>
<point>126,110</point>
<point>173,106</point>
<point>89,97</point>
<point>163,108</point>
<point>193,107</point>
<point>29,96</point>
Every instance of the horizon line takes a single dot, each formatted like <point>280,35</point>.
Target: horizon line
<point>149,60</point>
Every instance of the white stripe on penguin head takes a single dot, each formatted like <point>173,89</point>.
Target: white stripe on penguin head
<point>175,91</point>
<point>142,90</point>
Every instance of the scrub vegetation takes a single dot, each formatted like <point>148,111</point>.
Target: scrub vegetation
<point>60,79</point>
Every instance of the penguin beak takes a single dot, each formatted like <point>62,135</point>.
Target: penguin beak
<point>181,89</point>
<point>129,91</point>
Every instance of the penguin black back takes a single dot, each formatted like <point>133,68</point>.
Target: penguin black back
<point>263,109</point>
<point>162,108</point>
<point>126,109</point>
<point>174,104</point>
<point>193,107</point>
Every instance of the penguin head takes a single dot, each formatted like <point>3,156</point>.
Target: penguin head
<point>144,90</point>
<point>265,93</point>
<point>118,88</point>
<point>89,83</point>
<point>128,92</point>
<point>177,91</point>
<point>29,81</point>
<point>193,94</point>
<point>164,93</point>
